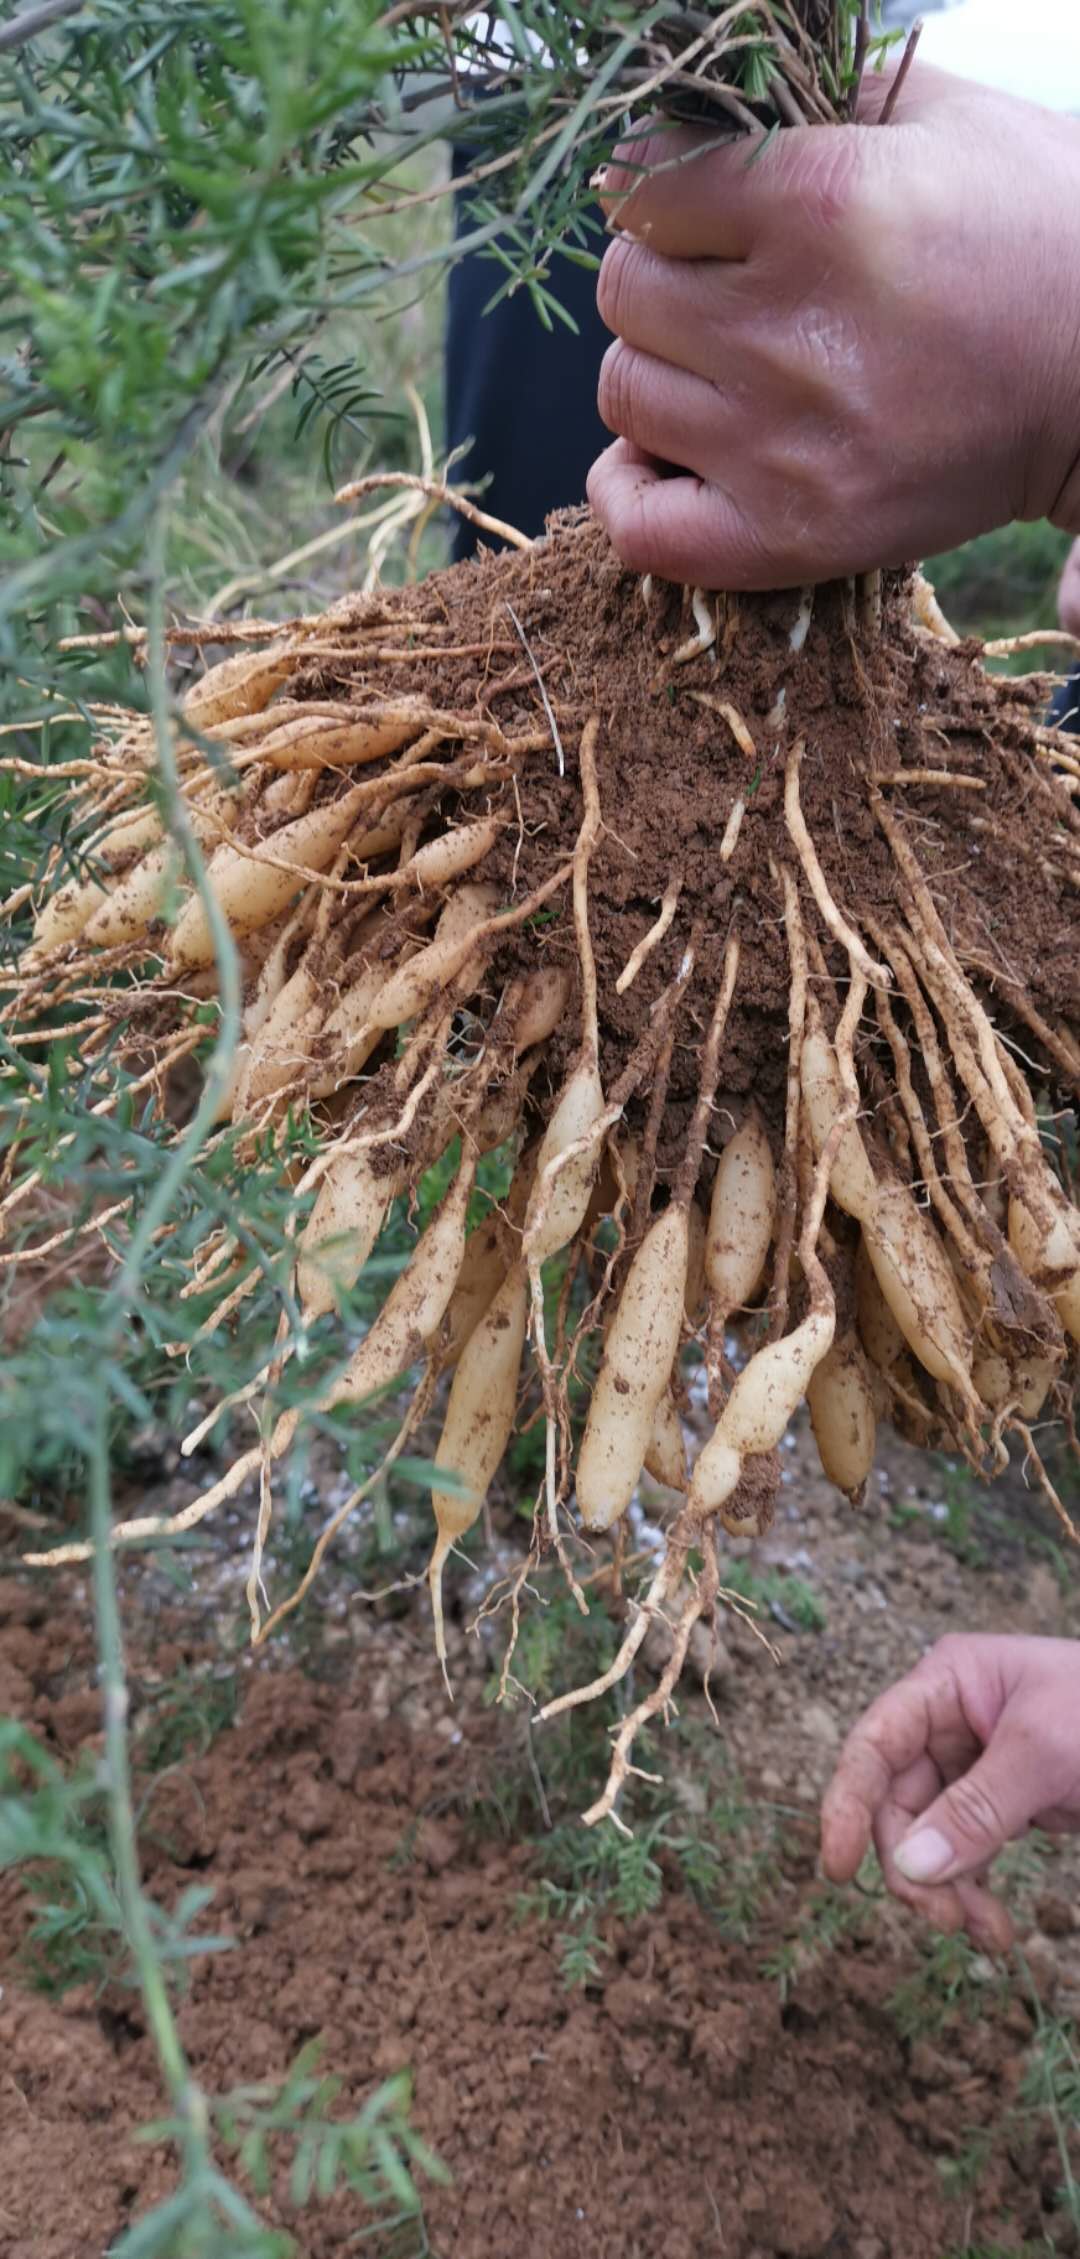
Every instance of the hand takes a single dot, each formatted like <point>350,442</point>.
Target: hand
<point>979,1742</point>
<point>861,348</point>
<point>1069,592</point>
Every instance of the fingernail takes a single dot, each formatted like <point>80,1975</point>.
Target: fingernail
<point>924,1856</point>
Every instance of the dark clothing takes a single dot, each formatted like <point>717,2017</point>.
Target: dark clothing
<point>523,395</point>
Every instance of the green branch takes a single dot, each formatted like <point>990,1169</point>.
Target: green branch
<point>228,970</point>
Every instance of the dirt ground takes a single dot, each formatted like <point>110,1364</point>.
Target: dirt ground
<point>761,2070</point>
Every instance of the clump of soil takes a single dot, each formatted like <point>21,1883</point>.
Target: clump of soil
<point>488,640</point>
<point>670,770</point>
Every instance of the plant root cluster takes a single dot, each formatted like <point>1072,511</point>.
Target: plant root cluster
<point>746,929</point>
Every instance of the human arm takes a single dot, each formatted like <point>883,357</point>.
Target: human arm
<point>978,1743</point>
<point>860,348</point>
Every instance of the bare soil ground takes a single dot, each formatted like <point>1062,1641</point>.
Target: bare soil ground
<point>759,2069</point>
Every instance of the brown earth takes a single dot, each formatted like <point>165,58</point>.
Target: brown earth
<point>367,1847</point>
<point>478,641</point>
<point>670,769</point>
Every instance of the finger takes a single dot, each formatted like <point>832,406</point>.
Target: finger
<point>894,1734</point>
<point>1058,1819</point>
<point>676,526</point>
<point>698,195</point>
<point>664,411</point>
<point>950,1906</point>
<point>852,1801</point>
<point>694,197</point>
<point>987,1919</point>
<point>941,1908</point>
<point>691,197</point>
<point>672,317</point>
<point>682,310</point>
<point>910,1793</point>
<point>990,1803</point>
<point>664,166</point>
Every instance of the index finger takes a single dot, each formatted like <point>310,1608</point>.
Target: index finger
<point>670,186</point>
<point>691,193</point>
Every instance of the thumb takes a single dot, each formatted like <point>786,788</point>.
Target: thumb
<point>972,1820</point>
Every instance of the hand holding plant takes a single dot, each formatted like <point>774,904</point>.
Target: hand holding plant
<point>857,346</point>
<point>979,1742</point>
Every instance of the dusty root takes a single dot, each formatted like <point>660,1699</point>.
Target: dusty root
<point>746,929</point>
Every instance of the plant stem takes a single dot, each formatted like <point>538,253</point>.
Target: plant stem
<point>32,20</point>
<point>1046,2080</point>
<point>187,2097</point>
<point>217,1073</point>
<point>34,583</point>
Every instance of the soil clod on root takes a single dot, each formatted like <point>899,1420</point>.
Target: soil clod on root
<point>768,985</point>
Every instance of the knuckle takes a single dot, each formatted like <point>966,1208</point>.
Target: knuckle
<point>614,282</point>
<point>795,486</point>
<point>758,557</point>
<point>628,533</point>
<point>875,1727</point>
<point>826,349</point>
<point>632,158</point>
<point>937,1679</point>
<point>619,388</point>
<point>1055,1756</point>
<point>831,186</point>
<point>627,184</point>
<point>949,1644</point>
<point>947,1652</point>
<point>973,1811</point>
<point>884,1731</point>
<point>878,1732</point>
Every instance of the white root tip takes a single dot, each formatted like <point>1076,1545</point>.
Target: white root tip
<point>435,1578</point>
<point>803,617</point>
